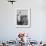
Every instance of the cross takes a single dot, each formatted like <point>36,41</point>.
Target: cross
<point>12,1</point>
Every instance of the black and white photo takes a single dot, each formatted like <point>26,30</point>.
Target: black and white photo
<point>23,18</point>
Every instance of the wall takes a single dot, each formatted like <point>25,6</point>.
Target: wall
<point>8,28</point>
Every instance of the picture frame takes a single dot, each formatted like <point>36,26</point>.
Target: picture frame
<point>23,17</point>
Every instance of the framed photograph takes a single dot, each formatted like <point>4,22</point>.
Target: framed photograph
<point>23,16</point>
